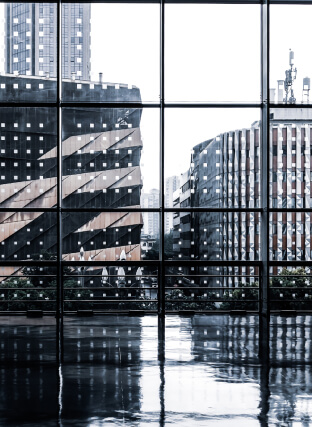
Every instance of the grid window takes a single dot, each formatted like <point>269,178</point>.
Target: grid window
<point>164,151</point>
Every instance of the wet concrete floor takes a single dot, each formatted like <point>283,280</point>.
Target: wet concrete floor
<point>118,370</point>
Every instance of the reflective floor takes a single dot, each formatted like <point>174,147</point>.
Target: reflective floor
<point>119,371</point>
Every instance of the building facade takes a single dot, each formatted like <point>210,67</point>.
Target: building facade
<point>171,185</point>
<point>224,173</point>
<point>101,151</point>
<point>150,200</point>
<point>31,39</point>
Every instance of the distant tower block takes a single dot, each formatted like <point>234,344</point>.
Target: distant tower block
<point>272,95</point>
<point>306,90</point>
<point>291,58</point>
<point>280,91</point>
<point>291,75</point>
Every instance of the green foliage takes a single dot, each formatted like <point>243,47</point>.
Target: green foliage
<point>177,300</point>
<point>74,296</point>
<point>288,290</point>
<point>244,297</point>
<point>142,304</point>
<point>289,284</point>
<point>41,276</point>
<point>168,247</point>
<point>21,295</point>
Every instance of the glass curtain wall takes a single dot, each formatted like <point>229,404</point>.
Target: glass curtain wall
<point>151,164</point>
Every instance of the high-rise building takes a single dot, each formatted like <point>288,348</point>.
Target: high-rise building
<point>150,200</point>
<point>225,173</point>
<point>171,185</point>
<point>31,39</point>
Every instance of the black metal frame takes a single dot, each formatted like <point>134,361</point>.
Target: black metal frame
<point>264,106</point>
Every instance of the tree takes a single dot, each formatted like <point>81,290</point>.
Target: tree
<point>290,290</point>
<point>168,247</point>
<point>244,297</point>
<point>177,300</point>
<point>43,276</point>
<point>19,294</point>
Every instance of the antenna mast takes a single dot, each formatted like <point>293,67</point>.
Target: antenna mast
<point>291,75</point>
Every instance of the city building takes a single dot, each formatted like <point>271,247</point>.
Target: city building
<point>31,39</point>
<point>171,185</point>
<point>150,200</point>
<point>182,221</point>
<point>147,243</point>
<point>101,151</point>
<point>225,173</point>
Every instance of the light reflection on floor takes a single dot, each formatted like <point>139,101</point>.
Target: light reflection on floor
<point>118,371</point>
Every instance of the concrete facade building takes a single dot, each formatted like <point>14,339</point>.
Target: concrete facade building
<point>224,173</point>
<point>171,185</point>
<point>150,200</point>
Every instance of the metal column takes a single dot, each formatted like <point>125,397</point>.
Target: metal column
<point>264,300</point>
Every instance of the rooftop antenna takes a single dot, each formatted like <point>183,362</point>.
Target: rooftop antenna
<point>291,75</point>
<point>306,89</point>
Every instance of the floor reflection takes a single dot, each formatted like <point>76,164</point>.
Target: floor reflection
<point>121,370</point>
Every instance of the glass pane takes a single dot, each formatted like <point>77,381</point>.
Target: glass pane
<point>290,66</point>
<point>29,53</point>
<point>214,236</point>
<point>28,288</point>
<point>107,236</point>
<point>28,236</point>
<point>290,288</point>
<point>102,289</point>
<point>96,91</point>
<point>28,173</point>
<point>290,153</point>
<point>212,288</point>
<point>218,160</point>
<point>212,53</point>
<point>106,161</point>
<point>290,236</point>
<point>115,46</point>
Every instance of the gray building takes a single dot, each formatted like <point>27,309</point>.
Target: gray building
<point>31,39</point>
<point>150,200</point>
<point>171,185</point>
<point>225,173</point>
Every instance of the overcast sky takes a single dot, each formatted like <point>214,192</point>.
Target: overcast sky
<point>212,54</point>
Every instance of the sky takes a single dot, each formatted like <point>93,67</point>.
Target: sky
<point>212,54</point>
<point>202,45</point>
